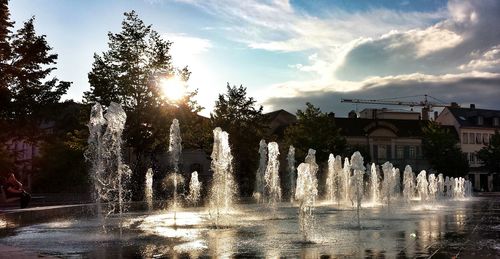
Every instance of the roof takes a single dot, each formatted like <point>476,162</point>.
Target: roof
<point>357,127</point>
<point>468,117</point>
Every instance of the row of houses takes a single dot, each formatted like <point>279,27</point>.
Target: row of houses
<point>386,135</point>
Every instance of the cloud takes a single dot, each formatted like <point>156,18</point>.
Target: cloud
<point>185,49</point>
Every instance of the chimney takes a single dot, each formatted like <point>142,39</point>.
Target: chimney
<point>454,105</point>
<point>472,106</point>
<point>435,115</point>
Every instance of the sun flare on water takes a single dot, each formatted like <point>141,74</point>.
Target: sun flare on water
<point>174,89</point>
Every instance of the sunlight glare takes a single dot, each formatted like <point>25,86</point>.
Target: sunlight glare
<point>174,89</point>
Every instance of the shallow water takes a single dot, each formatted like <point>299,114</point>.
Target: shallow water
<point>469,228</point>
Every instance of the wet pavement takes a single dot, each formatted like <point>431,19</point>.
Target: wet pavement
<point>461,229</point>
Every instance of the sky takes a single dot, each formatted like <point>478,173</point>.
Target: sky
<point>289,52</point>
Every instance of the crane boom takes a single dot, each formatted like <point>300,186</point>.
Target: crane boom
<point>425,104</point>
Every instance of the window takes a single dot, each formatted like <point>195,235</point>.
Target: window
<point>480,120</point>
<point>478,138</point>
<point>465,139</point>
<point>400,152</point>
<point>413,153</point>
<point>485,138</point>
<point>382,152</point>
<point>471,138</point>
<point>496,121</point>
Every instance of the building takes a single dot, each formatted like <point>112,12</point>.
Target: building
<point>395,140</point>
<point>385,113</point>
<point>475,128</point>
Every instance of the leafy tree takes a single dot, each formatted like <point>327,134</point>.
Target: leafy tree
<point>490,154</point>
<point>315,129</point>
<point>130,73</point>
<point>442,151</point>
<point>238,115</point>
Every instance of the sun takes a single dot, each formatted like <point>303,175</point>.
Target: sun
<point>174,89</point>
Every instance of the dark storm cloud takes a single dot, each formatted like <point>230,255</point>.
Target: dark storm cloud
<point>470,30</point>
<point>484,92</point>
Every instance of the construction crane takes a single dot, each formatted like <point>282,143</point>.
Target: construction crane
<point>426,105</point>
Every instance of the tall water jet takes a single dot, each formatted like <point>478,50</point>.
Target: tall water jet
<point>447,184</point>
<point>433,187</point>
<point>174,151</point>
<point>291,171</point>
<point>194,189</point>
<point>389,183</point>
<point>357,181</point>
<point>453,188</point>
<point>93,153</point>
<point>408,184</point>
<point>440,186</point>
<point>272,176</point>
<point>331,180</point>
<point>148,189</point>
<point>374,183</point>
<point>422,185</point>
<point>346,179</point>
<point>110,175</point>
<point>223,188</point>
<point>306,193</point>
<point>397,183</point>
<point>258,193</point>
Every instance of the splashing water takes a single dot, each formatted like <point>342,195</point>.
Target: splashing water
<point>422,185</point>
<point>174,179</point>
<point>357,182</point>
<point>223,188</point>
<point>272,177</point>
<point>389,183</point>
<point>291,171</point>
<point>433,187</point>
<point>331,180</point>
<point>346,179</point>
<point>110,176</point>
<point>258,193</point>
<point>148,189</point>
<point>306,193</point>
<point>374,183</point>
<point>194,189</point>
<point>440,186</point>
<point>408,184</point>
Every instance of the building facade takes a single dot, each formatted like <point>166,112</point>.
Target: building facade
<point>475,128</point>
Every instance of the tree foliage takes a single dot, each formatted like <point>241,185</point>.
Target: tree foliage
<point>490,154</point>
<point>441,149</point>
<point>238,115</point>
<point>315,129</point>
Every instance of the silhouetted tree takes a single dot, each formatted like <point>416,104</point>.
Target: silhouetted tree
<point>130,73</point>
<point>315,129</point>
<point>441,149</point>
<point>490,154</point>
<point>238,115</point>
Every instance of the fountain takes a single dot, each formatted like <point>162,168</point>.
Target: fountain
<point>148,189</point>
<point>224,189</point>
<point>357,182</point>
<point>305,194</point>
<point>272,177</point>
<point>174,179</point>
<point>440,186</point>
<point>389,183</point>
<point>374,183</point>
<point>408,184</point>
<point>194,189</point>
<point>331,180</point>
<point>109,174</point>
<point>346,178</point>
<point>258,193</point>
<point>433,187</point>
<point>422,185</point>
<point>291,171</point>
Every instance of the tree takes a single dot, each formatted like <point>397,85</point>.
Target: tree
<point>490,154</point>
<point>317,130</point>
<point>442,151</point>
<point>130,73</point>
<point>238,115</point>
<point>26,87</point>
